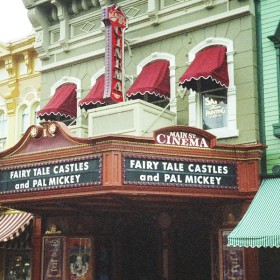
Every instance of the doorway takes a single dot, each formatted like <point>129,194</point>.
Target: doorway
<point>192,254</point>
<point>141,249</point>
<point>139,252</point>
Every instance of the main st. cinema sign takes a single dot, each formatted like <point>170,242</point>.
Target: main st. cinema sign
<point>184,136</point>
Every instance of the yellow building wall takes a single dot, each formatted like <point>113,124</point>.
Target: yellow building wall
<point>20,82</point>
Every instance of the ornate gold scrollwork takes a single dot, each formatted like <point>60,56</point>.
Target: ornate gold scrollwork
<point>47,130</point>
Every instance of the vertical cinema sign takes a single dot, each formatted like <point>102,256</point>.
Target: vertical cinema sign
<point>115,25</point>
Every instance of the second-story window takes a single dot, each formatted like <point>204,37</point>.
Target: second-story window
<point>62,106</point>
<point>3,125</point>
<point>36,110</point>
<point>94,99</point>
<point>208,76</point>
<point>214,110</point>
<point>24,120</point>
<point>210,79</point>
<point>155,81</point>
<point>152,84</point>
<point>25,112</point>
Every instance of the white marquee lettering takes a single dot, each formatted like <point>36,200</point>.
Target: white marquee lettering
<point>16,174</point>
<point>142,164</point>
<point>182,139</point>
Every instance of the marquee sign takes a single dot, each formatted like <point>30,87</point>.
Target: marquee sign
<point>179,173</point>
<point>115,24</point>
<point>56,175</point>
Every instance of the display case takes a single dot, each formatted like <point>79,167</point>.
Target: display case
<point>18,265</point>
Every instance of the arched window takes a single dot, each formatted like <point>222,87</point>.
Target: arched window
<point>210,79</point>
<point>155,82</point>
<point>94,98</point>
<point>26,110</point>
<point>63,103</point>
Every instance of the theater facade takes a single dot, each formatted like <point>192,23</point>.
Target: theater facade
<point>127,207</point>
<point>146,155</point>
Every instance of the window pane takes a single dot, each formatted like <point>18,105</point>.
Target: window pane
<point>214,110</point>
<point>3,125</point>
<point>36,120</point>
<point>25,122</point>
<point>17,265</point>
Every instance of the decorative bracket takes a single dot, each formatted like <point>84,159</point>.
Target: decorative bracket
<point>28,62</point>
<point>153,16</point>
<point>208,4</point>
<point>10,67</point>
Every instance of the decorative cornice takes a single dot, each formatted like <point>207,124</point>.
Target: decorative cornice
<point>41,26</point>
<point>63,17</point>
<point>187,27</point>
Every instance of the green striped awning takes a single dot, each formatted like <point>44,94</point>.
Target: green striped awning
<point>260,226</point>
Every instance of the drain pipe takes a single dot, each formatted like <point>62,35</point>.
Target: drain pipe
<point>258,20</point>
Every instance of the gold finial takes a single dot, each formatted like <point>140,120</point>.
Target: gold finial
<point>231,220</point>
<point>53,229</point>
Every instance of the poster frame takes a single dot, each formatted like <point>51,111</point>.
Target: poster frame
<point>47,258</point>
<point>89,249</point>
<point>226,271</point>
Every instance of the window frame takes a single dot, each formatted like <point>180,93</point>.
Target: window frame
<point>3,126</point>
<point>29,98</point>
<point>35,108</point>
<point>195,99</point>
<point>25,119</point>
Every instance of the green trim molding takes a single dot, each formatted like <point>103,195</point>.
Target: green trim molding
<point>276,40</point>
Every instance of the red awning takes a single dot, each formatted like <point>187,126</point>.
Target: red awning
<point>154,79</point>
<point>12,225</point>
<point>63,103</point>
<point>95,95</point>
<point>207,71</point>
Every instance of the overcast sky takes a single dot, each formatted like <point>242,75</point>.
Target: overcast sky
<point>14,23</point>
